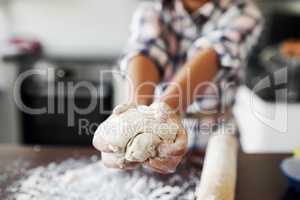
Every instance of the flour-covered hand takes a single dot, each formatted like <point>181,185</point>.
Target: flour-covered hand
<point>149,135</point>
<point>169,154</point>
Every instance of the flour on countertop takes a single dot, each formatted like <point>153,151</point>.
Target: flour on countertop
<point>87,179</point>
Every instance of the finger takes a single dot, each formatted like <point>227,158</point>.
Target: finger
<point>113,160</point>
<point>155,169</point>
<point>165,165</point>
<point>131,165</point>
<point>100,144</point>
<point>177,148</point>
<point>117,160</point>
<point>122,108</point>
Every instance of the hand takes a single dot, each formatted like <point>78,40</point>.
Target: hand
<point>169,154</point>
<point>112,156</point>
<point>121,108</point>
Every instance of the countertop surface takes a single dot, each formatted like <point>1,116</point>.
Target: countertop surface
<point>259,176</point>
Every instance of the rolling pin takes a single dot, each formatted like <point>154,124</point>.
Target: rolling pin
<point>218,178</point>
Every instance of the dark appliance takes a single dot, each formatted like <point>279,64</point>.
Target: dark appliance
<point>282,22</point>
<point>54,127</point>
<point>64,125</point>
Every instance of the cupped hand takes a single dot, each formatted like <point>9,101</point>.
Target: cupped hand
<point>112,156</point>
<point>169,153</point>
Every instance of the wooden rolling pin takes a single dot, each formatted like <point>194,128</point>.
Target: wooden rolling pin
<point>220,168</point>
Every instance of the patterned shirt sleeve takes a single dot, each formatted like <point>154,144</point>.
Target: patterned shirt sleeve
<point>232,36</point>
<point>147,37</point>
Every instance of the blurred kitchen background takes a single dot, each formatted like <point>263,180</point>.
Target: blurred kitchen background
<point>77,38</point>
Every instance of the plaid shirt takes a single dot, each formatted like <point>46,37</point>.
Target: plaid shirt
<point>171,36</point>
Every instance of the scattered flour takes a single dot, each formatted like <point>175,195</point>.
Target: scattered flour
<point>88,179</point>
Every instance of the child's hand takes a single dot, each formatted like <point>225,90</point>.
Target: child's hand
<point>170,154</point>
<point>167,153</point>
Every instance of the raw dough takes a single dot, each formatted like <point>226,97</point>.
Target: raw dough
<point>137,132</point>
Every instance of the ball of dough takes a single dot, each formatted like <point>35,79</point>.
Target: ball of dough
<point>137,132</point>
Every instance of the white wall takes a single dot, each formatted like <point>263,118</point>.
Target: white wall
<point>75,27</point>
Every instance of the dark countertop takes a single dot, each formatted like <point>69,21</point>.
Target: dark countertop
<point>259,176</point>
